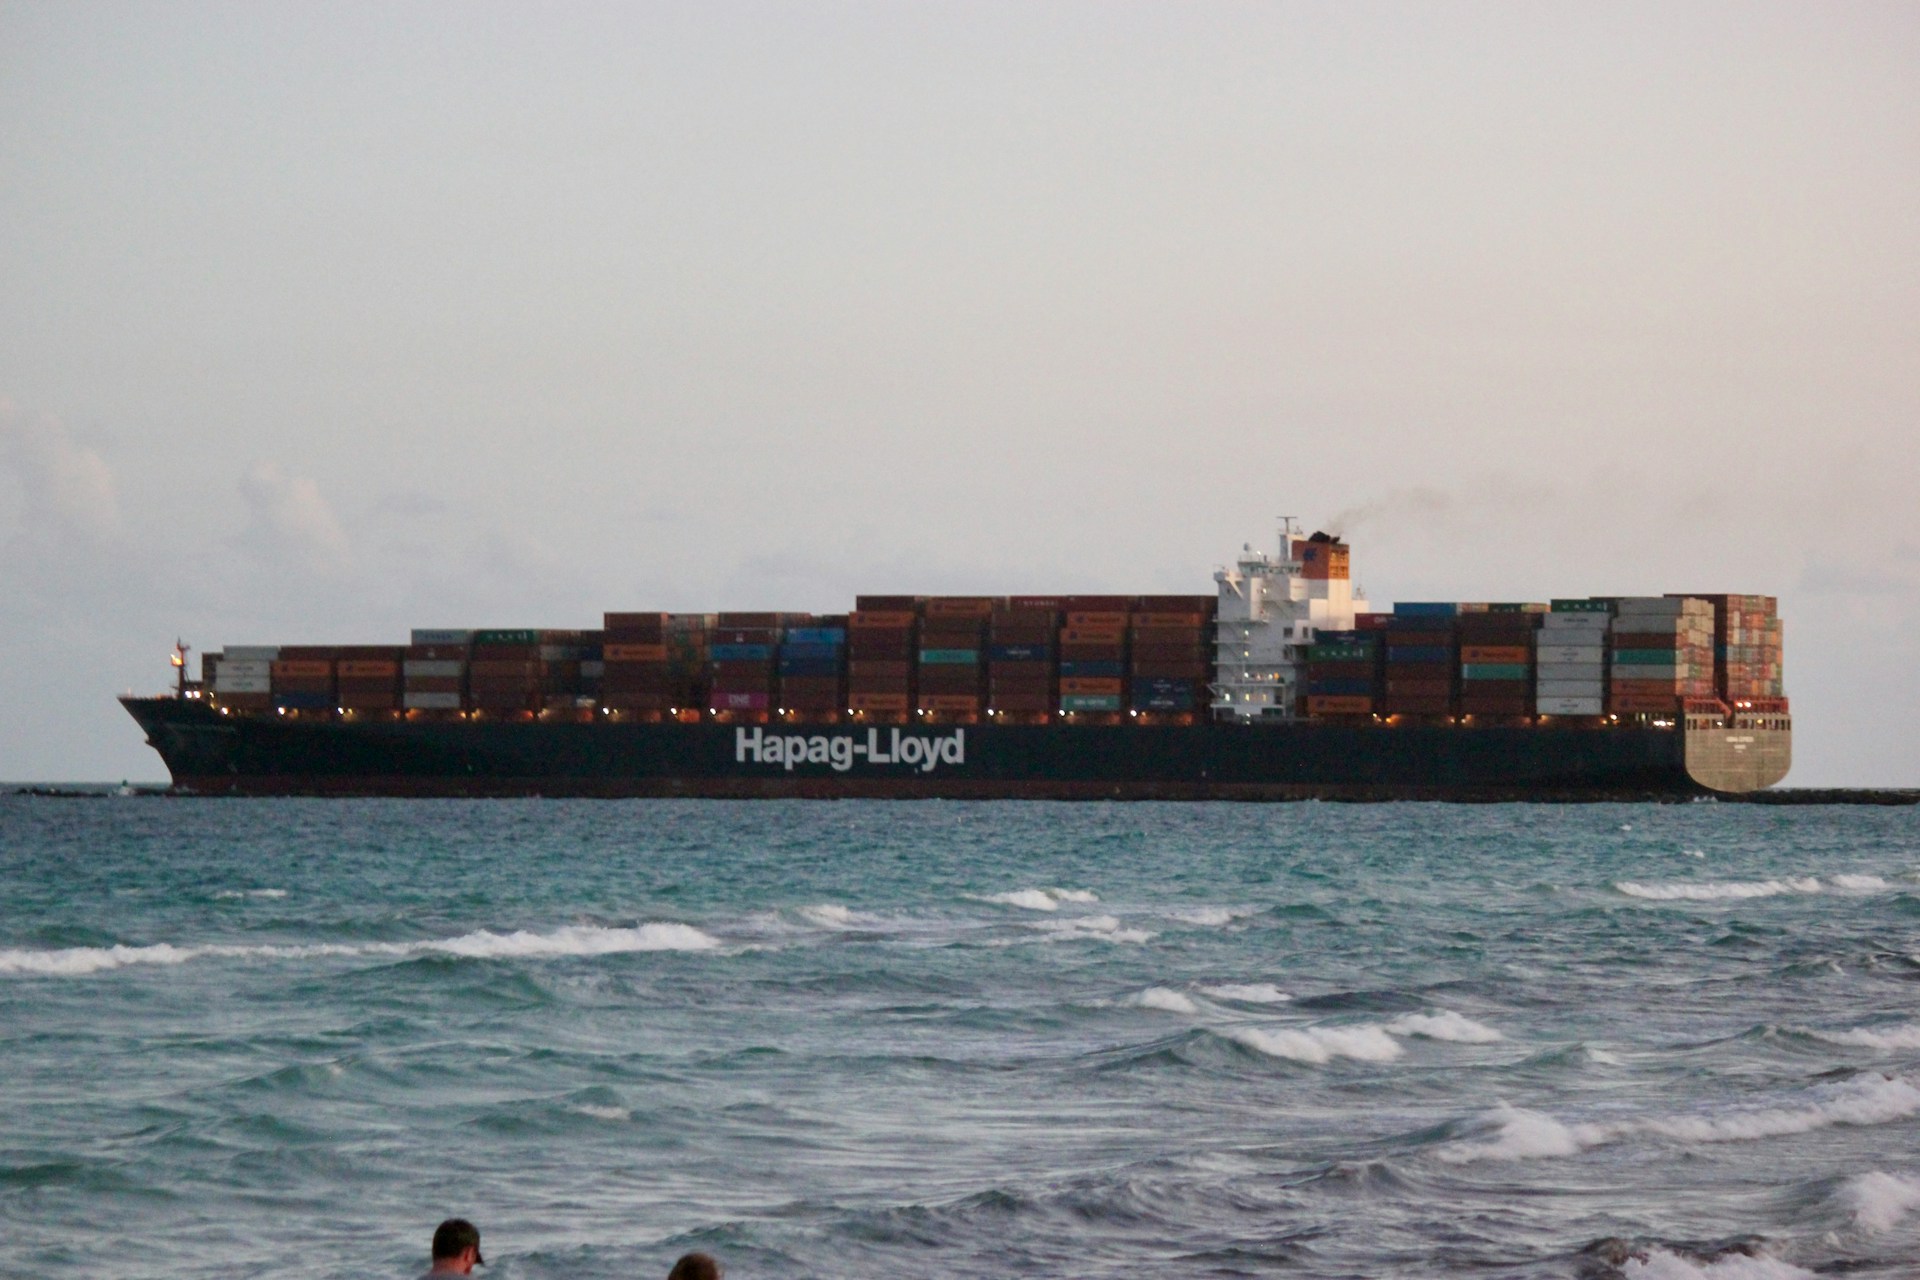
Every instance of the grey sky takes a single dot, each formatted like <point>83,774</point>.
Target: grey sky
<point>320,322</point>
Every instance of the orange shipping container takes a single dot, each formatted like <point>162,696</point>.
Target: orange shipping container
<point>895,702</point>
<point>1087,684</point>
<point>1169,621</point>
<point>960,606</point>
<point>1504,653</point>
<point>1093,635</point>
<point>360,670</point>
<point>1097,619</point>
<point>634,653</point>
<point>305,667</point>
<point>862,619</point>
<point>949,702</point>
<point>1347,705</point>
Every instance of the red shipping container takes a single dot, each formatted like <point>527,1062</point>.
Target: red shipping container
<point>898,703</point>
<point>738,700</point>
<point>1084,684</point>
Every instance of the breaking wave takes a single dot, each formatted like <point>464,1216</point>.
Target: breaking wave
<point>1879,1200</point>
<point>1248,993</point>
<point>1519,1134</point>
<point>571,940</point>
<point>1041,899</point>
<point>1167,1000</point>
<point>1728,890</point>
<point>1318,1045</point>
<point>1444,1025</point>
<point>1904,1036</point>
<point>1662,1265</point>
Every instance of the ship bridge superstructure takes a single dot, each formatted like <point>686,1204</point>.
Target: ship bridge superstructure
<point>1271,607</point>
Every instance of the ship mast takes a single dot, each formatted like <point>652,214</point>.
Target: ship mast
<point>180,652</point>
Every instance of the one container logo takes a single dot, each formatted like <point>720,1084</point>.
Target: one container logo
<point>840,751</point>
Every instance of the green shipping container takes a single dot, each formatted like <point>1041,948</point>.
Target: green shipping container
<point>949,657</point>
<point>1340,653</point>
<point>1090,702</point>
<point>1494,671</point>
<point>1647,658</point>
<point>506,637</point>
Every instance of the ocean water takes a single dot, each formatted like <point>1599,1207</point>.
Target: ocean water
<point>953,1039</point>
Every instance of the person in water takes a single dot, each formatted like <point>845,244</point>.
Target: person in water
<point>456,1249</point>
<point>696,1266</point>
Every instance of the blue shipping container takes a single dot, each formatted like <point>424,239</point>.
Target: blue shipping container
<point>740,652</point>
<point>1093,670</point>
<point>949,657</point>
<point>1165,702</point>
<point>1431,609</point>
<point>1419,653</point>
<point>1148,686</point>
<point>809,667</point>
<point>830,652</point>
<point>815,635</point>
<point>1347,688</point>
<point>1019,653</point>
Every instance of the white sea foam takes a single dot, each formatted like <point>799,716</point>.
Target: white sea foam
<point>832,915</point>
<point>1904,1036</point>
<point>1879,1200</point>
<point>615,1114</point>
<point>1444,1025</point>
<point>1041,899</point>
<point>1212,917</point>
<point>570,940</point>
<point>1248,993</point>
<point>228,894</point>
<point>1095,928</point>
<point>1866,1100</point>
<point>1320,1044</point>
<point>1716,890</point>
<point>1662,1265</point>
<point>1861,883</point>
<point>1166,1000</point>
<point>1603,1057</point>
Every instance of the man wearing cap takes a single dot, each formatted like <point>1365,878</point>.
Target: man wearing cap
<point>456,1249</point>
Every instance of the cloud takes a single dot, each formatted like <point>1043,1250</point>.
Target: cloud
<point>68,488</point>
<point>289,521</point>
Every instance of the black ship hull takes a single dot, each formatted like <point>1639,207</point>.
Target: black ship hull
<point>208,753</point>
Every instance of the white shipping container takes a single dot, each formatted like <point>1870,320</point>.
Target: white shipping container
<point>252,653</point>
<point>1575,622</point>
<point>441,667</point>
<point>1569,689</point>
<point>430,636</point>
<point>1663,606</point>
<point>430,701</point>
<point>1595,671</point>
<point>1569,706</point>
<point>1571,653</point>
<point>1655,625</point>
<point>224,683</point>
<point>244,667</point>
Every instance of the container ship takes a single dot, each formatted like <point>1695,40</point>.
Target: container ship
<point>1281,684</point>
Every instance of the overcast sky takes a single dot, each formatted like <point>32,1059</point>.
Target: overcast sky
<point>320,322</point>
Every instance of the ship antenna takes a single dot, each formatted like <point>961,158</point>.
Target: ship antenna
<point>1286,535</point>
<point>180,652</point>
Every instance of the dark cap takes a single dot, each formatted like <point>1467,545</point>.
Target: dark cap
<point>454,1237</point>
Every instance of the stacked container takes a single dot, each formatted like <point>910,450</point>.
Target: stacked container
<point>1747,650</point>
<point>505,674</point>
<point>1021,676</point>
<point>633,664</point>
<point>950,675</point>
<point>1343,673</point>
<point>367,677</point>
<point>742,662</point>
<point>303,678</point>
<point>1661,652</point>
<point>243,676</point>
<point>1496,659</point>
<point>1093,655</point>
<point>433,675</point>
<point>1422,647</point>
<point>813,667</point>
<point>881,656</point>
<point>1571,675</point>
<point>1170,654</point>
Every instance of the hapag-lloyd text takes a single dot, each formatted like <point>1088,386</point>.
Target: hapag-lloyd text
<point>839,750</point>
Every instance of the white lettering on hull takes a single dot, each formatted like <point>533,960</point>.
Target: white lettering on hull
<point>838,751</point>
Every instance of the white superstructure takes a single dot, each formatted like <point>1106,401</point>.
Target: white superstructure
<point>1271,606</point>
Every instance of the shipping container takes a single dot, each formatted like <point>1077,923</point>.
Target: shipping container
<point>1077,702</point>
